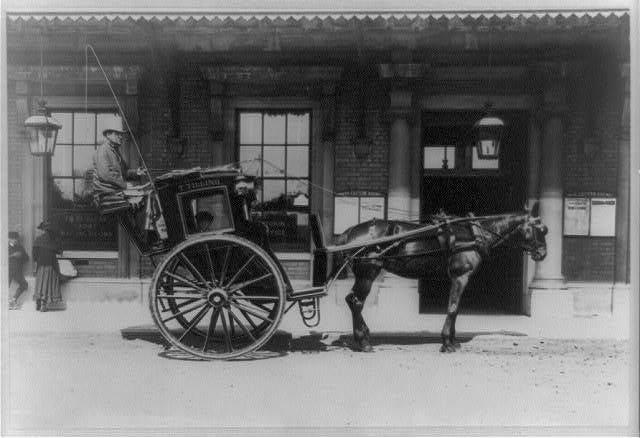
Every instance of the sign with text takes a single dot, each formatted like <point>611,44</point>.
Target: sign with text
<point>603,217</point>
<point>86,230</point>
<point>576,216</point>
<point>353,208</point>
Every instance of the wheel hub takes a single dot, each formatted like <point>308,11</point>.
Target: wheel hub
<point>217,297</point>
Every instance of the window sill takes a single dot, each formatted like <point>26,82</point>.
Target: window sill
<point>89,255</point>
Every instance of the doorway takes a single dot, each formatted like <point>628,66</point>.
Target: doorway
<point>463,184</point>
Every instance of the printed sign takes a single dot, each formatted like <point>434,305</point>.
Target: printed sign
<point>86,230</point>
<point>603,217</point>
<point>576,216</point>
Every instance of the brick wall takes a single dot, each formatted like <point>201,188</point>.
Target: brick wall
<point>592,130</point>
<point>370,174</point>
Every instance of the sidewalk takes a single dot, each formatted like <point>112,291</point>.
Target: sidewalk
<point>134,316</point>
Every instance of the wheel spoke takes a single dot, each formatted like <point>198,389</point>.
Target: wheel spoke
<point>186,282</point>
<point>225,264</point>
<point>212,327</point>
<point>179,297</point>
<point>191,309</point>
<point>241,269</point>
<point>252,312</point>
<point>210,263</point>
<point>236,287</point>
<point>255,297</point>
<point>194,271</point>
<point>195,321</point>
<point>227,337</point>
<point>242,326</point>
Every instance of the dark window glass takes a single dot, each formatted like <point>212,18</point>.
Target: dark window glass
<point>276,146</point>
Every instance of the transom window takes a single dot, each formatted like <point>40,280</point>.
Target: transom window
<point>275,146</point>
<point>449,146</point>
<point>71,185</point>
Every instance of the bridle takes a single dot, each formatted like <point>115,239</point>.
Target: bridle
<point>531,244</point>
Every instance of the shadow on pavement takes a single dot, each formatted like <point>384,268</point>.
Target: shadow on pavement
<point>282,342</point>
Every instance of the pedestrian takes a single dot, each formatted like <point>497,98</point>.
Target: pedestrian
<point>17,258</point>
<point>47,294</point>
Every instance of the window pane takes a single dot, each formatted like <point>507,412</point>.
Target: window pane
<point>298,129</point>
<point>274,128</point>
<point>64,134</point>
<point>273,195</point>
<point>298,161</point>
<point>62,193</point>
<point>298,194</point>
<point>84,128</point>
<point>61,161</point>
<point>273,161</point>
<point>250,128</point>
<point>107,120</point>
<point>297,186</point>
<point>83,190</point>
<point>250,160</point>
<point>82,160</point>
<point>434,156</point>
<point>477,163</point>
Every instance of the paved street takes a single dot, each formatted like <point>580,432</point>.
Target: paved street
<point>98,381</point>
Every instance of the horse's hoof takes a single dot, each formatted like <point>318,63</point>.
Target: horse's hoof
<point>363,347</point>
<point>456,346</point>
<point>447,348</point>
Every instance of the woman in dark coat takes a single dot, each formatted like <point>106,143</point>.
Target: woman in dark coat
<point>47,291</point>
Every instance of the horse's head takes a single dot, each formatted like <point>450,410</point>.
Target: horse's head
<point>532,233</point>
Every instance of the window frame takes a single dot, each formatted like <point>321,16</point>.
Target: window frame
<point>286,110</point>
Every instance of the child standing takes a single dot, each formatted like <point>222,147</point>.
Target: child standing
<point>17,258</point>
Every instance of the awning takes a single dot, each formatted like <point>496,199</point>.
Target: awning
<point>246,10</point>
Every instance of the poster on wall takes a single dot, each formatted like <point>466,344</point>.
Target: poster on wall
<point>353,208</point>
<point>576,216</point>
<point>603,217</point>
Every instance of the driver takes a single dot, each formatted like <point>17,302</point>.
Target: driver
<point>111,172</point>
<point>113,193</point>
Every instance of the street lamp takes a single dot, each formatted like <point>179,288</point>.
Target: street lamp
<point>488,135</point>
<point>42,130</point>
<point>489,129</point>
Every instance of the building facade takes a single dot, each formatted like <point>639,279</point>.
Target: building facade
<point>348,114</point>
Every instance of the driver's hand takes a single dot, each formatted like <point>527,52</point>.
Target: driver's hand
<point>140,171</point>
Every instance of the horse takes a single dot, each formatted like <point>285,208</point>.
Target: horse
<point>457,244</point>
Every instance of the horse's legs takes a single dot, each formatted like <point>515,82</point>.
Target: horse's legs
<point>458,284</point>
<point>355,300</point>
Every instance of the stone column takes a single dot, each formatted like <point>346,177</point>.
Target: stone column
<point>399,193</point>
<point>548,273</point>
<point>622,205</point>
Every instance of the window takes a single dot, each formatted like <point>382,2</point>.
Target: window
<point>71,185</point>
<point>276,146</point>
<point>206,210</point>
